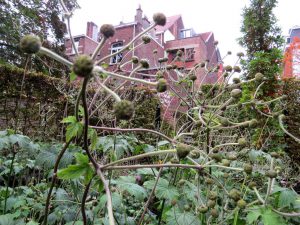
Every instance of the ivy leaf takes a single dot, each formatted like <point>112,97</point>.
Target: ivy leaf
<point>175,217</point>
<point>163,189</point>
<point>286,198</point>
<point>271,218</point>
<point>127,183</point>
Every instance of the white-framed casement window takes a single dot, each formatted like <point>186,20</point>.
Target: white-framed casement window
<point>76,42</point>
<point>114,48</point>
<point>189,54</point>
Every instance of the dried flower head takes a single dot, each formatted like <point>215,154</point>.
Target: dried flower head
<point>159,19</point>
<point>123,110</point>
<point>161,85</point>
<point>144,63</point>
<point>83,66</point>
<point>135,59</point>
<point>30,44</point>
<point>107,30</point>
<point>146,39</point>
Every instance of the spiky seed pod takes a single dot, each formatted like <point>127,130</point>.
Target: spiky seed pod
<point>162,60</point>
<point>159,74</point>
<point>253,123</point>
<point>252,184</point>
<point>146,39</point>
<point>144,63</point>
<point>228,68</point>
<point>224,121</point>
<point>181,182</point>
<point>229,53</point>
<point>241,203</point>
<point>211,203</point>
<point>209,181</point>
<point>154,51</point>
<point>225,162</point>
<point>271,174</point>
<point>226,75</point>
<point>202,209</point>
<point>161,85</point>
<point>242,142</point>
<point>169,67</point>
<point>193,77</point>
<point>83,66</point>
<point>107,30</point>
<point>216,156</point>
<point>236,93</point>
<point>237,69</point>
<point>240,54</point>
<point>159,19</point>
<point>135,59</point>
<point>202,64</point>
<point>275,155</point>
<point>259,76</point>
<point>30,44</point>
<point>216,42</point>
<point>179,53</point>
<point>248,168</point>
<point>174,66</point>
<point>231,156</point>
<point>235,194</point>
<point>195,154</point>
<point>212,195</point>
<point>236,80</point>
<point>174,160</point>
<point>214,213</point>
<point>182,150</point>
<point>123,110</point>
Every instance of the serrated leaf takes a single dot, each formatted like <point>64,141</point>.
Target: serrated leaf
<point>253,215</point>
<point>127,183</point>
<point>32,223</point>
<point>7,219</point>
<point>286,198</point>
<point>271,218</point>
<point>81,158</point>
<point>92,134</point>
<point>163,189</point>
<point>175,217</point>
<point>69,119</point>
<point>73,130</point>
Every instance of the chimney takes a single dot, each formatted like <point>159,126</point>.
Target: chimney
<point>91,30</point>
<point>139,15</point>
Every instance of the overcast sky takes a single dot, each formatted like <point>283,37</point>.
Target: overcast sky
<point>223,17</point>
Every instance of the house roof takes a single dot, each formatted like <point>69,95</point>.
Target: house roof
<point>170,21</point>
<point>206,35</point>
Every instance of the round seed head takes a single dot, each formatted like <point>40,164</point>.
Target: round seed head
<point>159,19</point>
<point>214,213</point>
<point>30,44</point>
<point>259,76</point>
<point>271,174</point>
<point>193,77</point>
<point>237,69</point>
<point>144,63</point>
<point>146,39</point>
<point>241,203</point>
<point>179,53</point>
<point>252,184</point>
<point>248,168</point>
<point>123,110</point>
<point>182,150</point>
<point>135,60</point>
<point>159,74</point>
<point>107,30</point>
<point>236,93</point>
<point>83,66</point>
<point>236,80</point>
<point>228,68</point>
<point>235,194</point>
<point>202,64</point>
<point>253,123</point>
<point>240,54</point>
<point>211,203</point>
<point>202,209</point>
<point>155,51</point>
<point>169,67</point>
<point>161,85</point>
<point>242,142</point>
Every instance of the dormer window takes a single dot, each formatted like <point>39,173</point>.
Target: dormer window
<point>115,47</point>
<point>186,33</point>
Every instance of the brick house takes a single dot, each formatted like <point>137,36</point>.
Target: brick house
<point>292,54</point>
<point>166,40</point>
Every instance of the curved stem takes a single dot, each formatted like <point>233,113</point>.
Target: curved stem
<point>84,196</point>
<point>55,56</point>
<point>284,130</point>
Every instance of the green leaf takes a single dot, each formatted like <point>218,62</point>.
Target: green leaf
<point>72,76</point>
<point>69,119</point>
<point>32,223</point>
<point>271,218</point>
<point>161,143</point>
<point>127,183</point>
<point>253,215</point>
<point>92,134</point>
<point>175,217</point>
<point>81,158</point>
<point>163,189</point>
<point>116,200</point>
<point>73,129</point>
<point>7,219</point>
<point>72,171</point>
<point>286,198</point>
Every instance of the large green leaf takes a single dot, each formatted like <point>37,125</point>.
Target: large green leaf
<point>72,171</point>
<point>163,189</point>
<point>7,219</point>
<point>286,198</point>
<point>271,218</point>
<point>127,183</point>
<point>253,215</point>
<point>176,217</point>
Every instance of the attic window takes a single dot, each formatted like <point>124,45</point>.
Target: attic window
<point>186,33</point>
<point>114,48</point>
<point>189,54</point>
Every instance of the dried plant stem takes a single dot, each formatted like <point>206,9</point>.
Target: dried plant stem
<point>280,119</point>
<point>55,56</point>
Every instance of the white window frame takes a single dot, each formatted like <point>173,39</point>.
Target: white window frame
<point>116,46</point>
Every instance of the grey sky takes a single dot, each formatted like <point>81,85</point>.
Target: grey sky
<point>223,17</point>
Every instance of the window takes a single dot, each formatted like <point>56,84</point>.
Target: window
<point>288,40</point>
<point>114,48</point>
<point>186,33</point>
<point>189,54</point>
